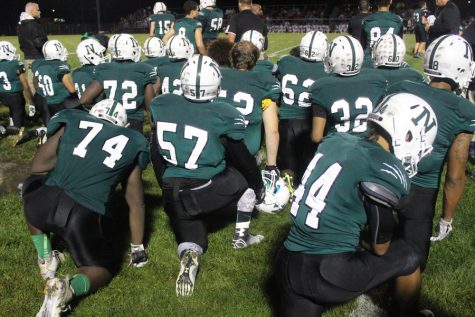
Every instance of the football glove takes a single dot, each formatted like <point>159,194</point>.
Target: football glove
<point>138,255</point>
<point>271,169</point>
<point>445,227</point>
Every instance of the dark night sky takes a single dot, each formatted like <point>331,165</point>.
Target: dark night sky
<point>111,10</point>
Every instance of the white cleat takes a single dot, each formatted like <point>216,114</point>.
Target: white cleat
<point>49,265</point>
<point>58,294</point>
<point>245,240</point>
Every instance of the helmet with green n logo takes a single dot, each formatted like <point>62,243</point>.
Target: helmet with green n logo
<point>111,111</point>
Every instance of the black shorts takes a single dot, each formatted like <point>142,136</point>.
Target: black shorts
<point>16,103</point>
<point>89,235</point>
<point>307,282</point>
<point>188,202</point>
<point>296,148</point>
<point>420,33</point>
<point>415,219</point>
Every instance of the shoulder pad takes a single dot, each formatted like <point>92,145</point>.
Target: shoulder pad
<point>379,194</point>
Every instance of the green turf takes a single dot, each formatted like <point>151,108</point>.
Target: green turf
<point>231,283</point>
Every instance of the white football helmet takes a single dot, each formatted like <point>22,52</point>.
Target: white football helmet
<point>159,7</point>
<point>255,38</point>
<point>90,52</point>
<point>389,51</point>
<point>124,47</point>
<point>154,47</point>
<point>179,47</point>
<point>110,110</point>
<point>313,46</point>
<point>450,56</point>
<point>54,50</point>
<point>412,125</point>
<point>8,51</point>
<point>200,78</point>
<point>277,193</point>
<point>207,3</point>
<point>344,56</point>
<point>431,19</point>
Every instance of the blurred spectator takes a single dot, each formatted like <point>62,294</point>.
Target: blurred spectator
<point>354,27</point>
<point>31,37</point>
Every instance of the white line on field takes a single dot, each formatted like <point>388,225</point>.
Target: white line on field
<point>273,54</point>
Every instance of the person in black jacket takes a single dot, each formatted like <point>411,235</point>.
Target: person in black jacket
<point>31,37</point>
<point>354,27</point>
<point>447,20</point>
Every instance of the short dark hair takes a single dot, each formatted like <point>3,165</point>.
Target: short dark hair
<point>244,55</point>
<point>295,51</point>
<point>220,50</point>
<point>383,2</point>
<point>363,5</point>
<point>189,6</point>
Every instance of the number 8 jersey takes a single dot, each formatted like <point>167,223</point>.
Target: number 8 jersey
<point>328,214</point>
<point>93,156</point>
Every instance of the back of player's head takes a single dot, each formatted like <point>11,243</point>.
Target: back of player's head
<point>313,46</point>
<point>344,56</point>
<point>124,47</point>
<point>388,51</point>
<point>410,139</point>
<point>7,51</point>
<point>363,5</point>
<point>245,2</point>
<point>255,37</point>
<point>179,47</point>
<point>54,50</point>
<point>200,79</point>
<point>90,52</point>
<point>159,7</point>
<point>244,55</point>
<point>219,50</point>
<point>422,4</point>
<point>383,2</point>
<point>154,47</point>
<point>110,110</point>
<point>189,6</point>
<point>450,58</point>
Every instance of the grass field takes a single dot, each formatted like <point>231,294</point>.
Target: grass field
<point>231,283</point>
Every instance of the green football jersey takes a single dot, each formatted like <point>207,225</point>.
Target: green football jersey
<point>377,24</point>
<point>418,14</point>
<point>187,27</point>
<point>169,74</point>
<point>328,214</point>
<point>347,101</point>
<point>266,66</point>
<point>246,91</point>
<point>163,23</point>
<point>211,21</point>
<point>454,115</point>
<point>82,77</point>
<point>157,62</point>
<point>189,134</point>
<point>297,75</point>
<point>125,83</point>
<point>9,76</point>
<point>395,75</point>
<point>93,155</point>
<point>49,74</point>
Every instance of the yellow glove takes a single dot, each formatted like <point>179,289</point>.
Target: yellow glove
<point>266,103</point>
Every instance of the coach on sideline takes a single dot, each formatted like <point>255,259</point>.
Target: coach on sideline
<point>244,21</point>
<point>31,37</point>
<point>447,20</point>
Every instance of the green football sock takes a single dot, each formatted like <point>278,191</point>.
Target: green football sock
<point>80,284</point>
<point>42,245</point>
